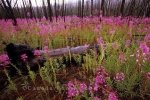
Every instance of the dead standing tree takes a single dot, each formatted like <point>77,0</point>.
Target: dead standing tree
<point>50,12</point>
<point>63,9</point>
<point>9,11</point>
<point>102,7</point>
<point>91,7</point>
<point>56,11</point>
<point>82,14</point>
<point>44,10</point>
<point>32,14</point>
<point>122,8</point>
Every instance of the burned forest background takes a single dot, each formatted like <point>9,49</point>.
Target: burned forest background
<point>82,8</point>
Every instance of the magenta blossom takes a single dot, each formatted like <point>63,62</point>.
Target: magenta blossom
<point>122,57</point>
<point>112,96</point>
<point>100,79</point>
<point>4,60</point>
<point>128,43</point>
<point>24,57</point>
<point>119,76</point>
<point>144,48</point>
<point>37,53</point>
<point>96,98</point>
<point>83,87</point>
<point>72,90</point>
<point>147,38</point>
<point>111,32</point>
<point>148,75</point>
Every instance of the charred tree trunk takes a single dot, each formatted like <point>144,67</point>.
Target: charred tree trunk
<point>63,10</point>
<point>44,10</point>
<point>82,8</point>
<point>38,11</point>
<point>9,11</point>
<point>50,13</point>
<point>79,8</point>
<point>147,11</point>
<point>102,7</point>
<point>32,14</point>
<point>122,8</point>
<point>55,6</point>
<point>92,7</point>
<point>87,8</point>
<point>131,7</point>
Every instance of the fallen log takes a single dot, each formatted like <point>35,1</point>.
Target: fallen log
<point>68,50</point>
<point>15,52</point>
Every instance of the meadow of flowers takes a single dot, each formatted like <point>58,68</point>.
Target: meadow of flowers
<point>120,70</point>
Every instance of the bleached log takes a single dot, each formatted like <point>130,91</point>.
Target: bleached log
<point>67,51</point>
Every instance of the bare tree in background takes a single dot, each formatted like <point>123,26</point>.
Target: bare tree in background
<point>38,11</point>
<point>9,11</point>
<point>102,7</point>
<point>50,13</point>
<point>44,10</point>
<point>92,7</point>
<point>131,7</point>
<point>63,9</point>
<point>32,14</point>
<point>79,8</point>
<point>56,12</point>
<point>82,8</point>
<point>122,8</point>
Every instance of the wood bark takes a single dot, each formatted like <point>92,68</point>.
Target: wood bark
<point>9,11</point>
<point>102,7</point>
<point>68,50</point>
<point>50,13</point>
<point>122,8</point>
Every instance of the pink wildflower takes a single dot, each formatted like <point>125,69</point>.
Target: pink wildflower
<point>100,79</point>
<point>96,98</point>
<point>122,57</point>
<point>4,60</point>
<point>127,44</point>
<point>37,53</point>
<point>72,90</point>
<point>24,57</point>
<point>112,96</point>
<point>144,48</point>
<point>83,87</point>
<point>119,76</point>
<point>148,75</point>
<point>147,38</point>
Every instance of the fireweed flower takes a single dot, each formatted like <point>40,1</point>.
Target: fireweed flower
<point>82,88</point>
<point>90,88</point>
<point>37,53</point>
<point>72,90</point>
<point>122,57</point>
<point>111,32</point>
<point>101,42</point>
<point>112,96</point>
<point>4,60</point>
<point>147,38</point>
<point>127,43</point>
<point>148,75</point>
<point>96,98</point>
<point>100,79</point>
<point>24,57</point>
<point>119,76</point>
<point>46,49</point>
<point>96,86</point>
<point>144,48</point>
